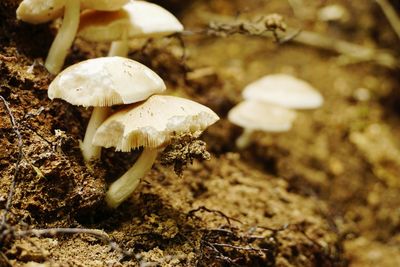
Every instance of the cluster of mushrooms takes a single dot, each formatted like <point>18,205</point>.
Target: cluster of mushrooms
<point>147,119</point>
<point>114,21</point>
<point>268,105</point>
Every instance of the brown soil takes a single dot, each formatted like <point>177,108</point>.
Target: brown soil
<point>323,194</point>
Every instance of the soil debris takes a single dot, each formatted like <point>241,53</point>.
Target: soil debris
<point>182,151</point>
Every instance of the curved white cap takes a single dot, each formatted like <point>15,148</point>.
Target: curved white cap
<point>105,81</point>
<point>141,18</point>
<point>39,11</point>
<point>151,20</point>
<point>101,26</point>
<point>257,115</point>
<point>104,5</point>
<point>284,90</point>
<point>153,123</point>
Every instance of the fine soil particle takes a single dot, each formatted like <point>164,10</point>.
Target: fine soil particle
<point>323,194</point>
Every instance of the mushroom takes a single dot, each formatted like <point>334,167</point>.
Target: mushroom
<point>151,124</point>
<point>103,82</point>
<point>284,90</point>
<point>39,11</point>
<point>137,19</point>
<point>255,115</point>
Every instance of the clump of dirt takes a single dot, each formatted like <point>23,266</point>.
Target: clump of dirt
<point>50,157</point>
<point>182,151</point>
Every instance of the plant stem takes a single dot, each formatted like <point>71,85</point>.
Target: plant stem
<point>391,15</point>
<point>356,52</point>
<point>120,48</point>
<point>122,188</point>
<point>65,36</point>
<point>244,140</point>
<point>90,151</point>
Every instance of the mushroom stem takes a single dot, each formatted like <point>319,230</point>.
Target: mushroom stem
<point>65,36</point>
<point>122,188</point>
<point>244,140</point>
<point>89,151</point>
<point>120,48</point>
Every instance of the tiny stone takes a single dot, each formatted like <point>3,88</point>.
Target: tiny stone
<point>362,94</point>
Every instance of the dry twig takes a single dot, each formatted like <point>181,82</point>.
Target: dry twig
<point>210,241</point>
<point>10,232</point>
<point>353,51</point>
<point>99,234</point>
<point>220,256</point>
<point>19,158</point>
<point>270,23</point>
<point>391,15</point>
<point>5,58</point>
<point>202,208</point>
<point>248,248</point>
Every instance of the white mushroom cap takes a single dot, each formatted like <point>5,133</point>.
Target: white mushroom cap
<point>333,12</point>
<point>100,26</point>
<point>104,5</point>
<point>284,90</point>
<point>153,123</point>
<point>149,20</point>
<point>143,19</point>
<point>39,11</point>
<point>105,81</point>
<point>256,115</point>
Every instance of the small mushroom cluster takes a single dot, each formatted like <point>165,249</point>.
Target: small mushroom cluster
<point>268,104</point>
<point>101,20</point>
<point>147,120</point>
<point>151,121</point>
<point>136,19</point>
<point>101,83</point>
